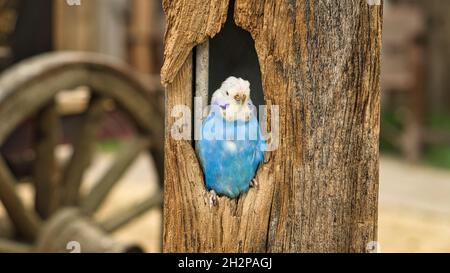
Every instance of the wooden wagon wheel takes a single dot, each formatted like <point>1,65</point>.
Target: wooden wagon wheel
<point>61,213</point>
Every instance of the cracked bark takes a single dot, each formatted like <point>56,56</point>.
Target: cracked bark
<point>320,62</point>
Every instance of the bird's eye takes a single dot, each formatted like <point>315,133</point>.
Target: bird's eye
<point>228,93</point>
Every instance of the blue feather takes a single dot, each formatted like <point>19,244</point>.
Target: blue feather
<point>230,163</point>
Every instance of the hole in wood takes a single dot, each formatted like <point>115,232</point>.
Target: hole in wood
<point>232,53</point>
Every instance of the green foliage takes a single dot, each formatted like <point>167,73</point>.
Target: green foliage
<point>433,154</point>
<point>439,121</point>
<point>390,121</point>
<point>438,155</point>
<point>110,145</point>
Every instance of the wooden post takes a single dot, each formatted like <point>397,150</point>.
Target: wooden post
<point>320,63</point>
<point>75,27</point>
<point>141,29</point>
<point>97,26</point>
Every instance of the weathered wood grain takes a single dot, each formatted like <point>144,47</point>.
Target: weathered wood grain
<point>83,153</point>
<point>190,22</point>
<point>126,215</point>
<point>320,62</point>
<point>45,167</point>
<point>124,159</point>
<point>28,90</point>
<point>26,222</point>
<point>7,246</point>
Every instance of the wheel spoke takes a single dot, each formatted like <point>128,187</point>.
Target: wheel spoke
<point>45,167</point>
<point>6,227</point>
<point>82,153</point>
<point>7,246</point>
<point>128,154</point>
<point>123,217</point>
<point>26,222</point>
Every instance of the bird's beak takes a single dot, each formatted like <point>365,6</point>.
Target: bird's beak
<point>240,98</point>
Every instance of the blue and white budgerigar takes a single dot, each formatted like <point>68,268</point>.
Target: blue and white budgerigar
<point>231,147</point>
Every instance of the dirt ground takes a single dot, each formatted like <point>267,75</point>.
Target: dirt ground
<point>414,213</point>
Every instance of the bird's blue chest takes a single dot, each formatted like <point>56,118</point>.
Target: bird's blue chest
<point>230,155</point>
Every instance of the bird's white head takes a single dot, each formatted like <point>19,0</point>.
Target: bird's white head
<point>233,98</point>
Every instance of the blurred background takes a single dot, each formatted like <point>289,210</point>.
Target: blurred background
<point>414,213</point>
